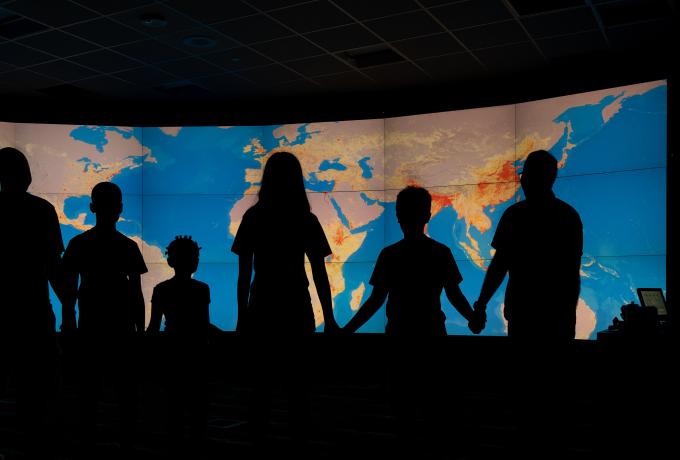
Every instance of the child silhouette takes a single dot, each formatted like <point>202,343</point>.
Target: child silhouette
<point>110,308</point>
<point>184,302</point>
<point>411,275</point>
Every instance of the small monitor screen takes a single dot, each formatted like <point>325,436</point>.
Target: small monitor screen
<point>653,297</point>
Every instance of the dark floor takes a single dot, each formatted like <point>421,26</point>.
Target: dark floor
<point>351,416</point>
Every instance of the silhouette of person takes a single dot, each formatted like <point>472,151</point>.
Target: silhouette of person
<point>275,309</point>
<point>110,309</point>
<point>185,304</point>
<point>538,242</point>
<point>411,275</point>
<point>31,257</point>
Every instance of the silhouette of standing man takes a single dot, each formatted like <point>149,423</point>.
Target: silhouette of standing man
<point>538,242</point>
<point>31,250</point>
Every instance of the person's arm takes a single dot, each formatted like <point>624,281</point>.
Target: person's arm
<point>495,275</point>
<point>458,300</point>
<point>69,296</point>
<point>138,307</point>
<point>245,274</point>
<point>367,310</point>
<point>323,289</point>
<point>156,314</point>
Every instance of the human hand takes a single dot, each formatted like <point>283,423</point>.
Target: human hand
<point>478,320</point>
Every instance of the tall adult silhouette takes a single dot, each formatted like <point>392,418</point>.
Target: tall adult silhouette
<point>275,307</point>
<point>32,247</point>
<point>538,242</point>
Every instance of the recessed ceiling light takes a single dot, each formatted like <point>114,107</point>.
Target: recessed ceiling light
<point>199,41</point>
<point>154,20</point>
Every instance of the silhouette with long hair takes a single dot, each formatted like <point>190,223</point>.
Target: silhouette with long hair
<point>539,243</point>
<point>411,274</point>
<point>185,304</point>
<point>109,266</point>
<point>275,308</point>
<point>30,261</point>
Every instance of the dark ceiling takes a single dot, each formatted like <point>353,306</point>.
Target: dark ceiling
<point>230,53</point>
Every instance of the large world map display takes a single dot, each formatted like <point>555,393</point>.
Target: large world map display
<point>198,181</point>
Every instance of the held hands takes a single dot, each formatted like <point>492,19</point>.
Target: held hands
<point>478,320</point>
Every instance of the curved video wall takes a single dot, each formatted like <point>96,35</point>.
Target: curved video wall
<point>198,181</point>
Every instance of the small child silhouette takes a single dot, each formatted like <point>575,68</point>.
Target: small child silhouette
<point>184,302</point>
<point>411,275</point>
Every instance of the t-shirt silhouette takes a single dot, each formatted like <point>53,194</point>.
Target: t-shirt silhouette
<point>31,238</point>
<point>104,261</point>
<point>279,296</point>
<point>185,303</point>
<point>414,271</point>
<point>543,243</point>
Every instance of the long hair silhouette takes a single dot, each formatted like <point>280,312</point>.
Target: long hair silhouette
<point>283,187</point>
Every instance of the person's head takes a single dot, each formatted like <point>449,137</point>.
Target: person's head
<point>283,187</point>
<point>413,209</point>
<point>182,255</point>
<point>107,203</point>
<point>15,174</point>
<point>538,174</point>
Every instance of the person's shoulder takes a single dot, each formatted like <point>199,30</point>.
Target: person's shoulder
<point>200,284</point>
<point>436,245</point>
<point>39,203</point>
<point>163,286</point>
<point>82,238</point>
<point>125,240</point>
<point>566,208</point>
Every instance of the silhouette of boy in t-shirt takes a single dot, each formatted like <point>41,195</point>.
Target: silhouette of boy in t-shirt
<point>411,275</point>
<point>184,302</point>
<point>110,307</point>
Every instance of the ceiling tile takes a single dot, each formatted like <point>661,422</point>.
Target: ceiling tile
<point>471,13</point>
<point>23,80</point>
<point>362,9</point>
<point>190,68</point>
<point>309,17</point>
<point>320,65</point>
<point>525,7</point>
<point>16,27</point>
<point>252,29</point>
<point>109,86</point>
<point>105,32</point>
<point>346,81</point>
<point>432,45</point>
<point>227,84</point>
<point>146,76</point>
<point>344,38</point>
<point>55,13</point>
<point>511,58</point>
<point>288,49</point>
<point>110,7</point>
<point>174,21</point>
<point>452,66</point>
<point>267,5</point>
<point>560,23</point>
<point>20,56</point>
<point>63,70</point>
<point>500,33</point>
<point>271,74</point>
<point>105,61</point>
<point>658,38</point>
<point>626,12</point>
<point>209,12</point>
<point>58,43</point>
<point>177,40</point>
<point>150,51</point>
<point>403,26</point>
<point>569,45</point>
<point>399,74</point>
<point>237,59</point>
